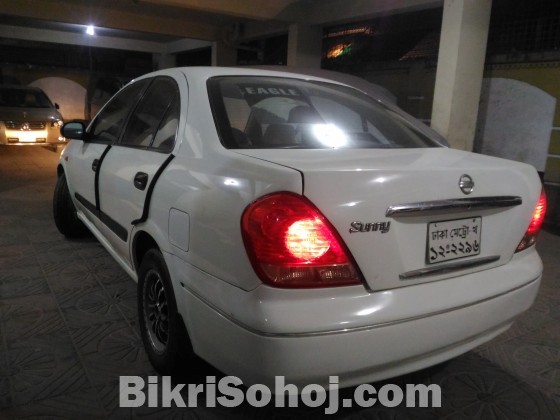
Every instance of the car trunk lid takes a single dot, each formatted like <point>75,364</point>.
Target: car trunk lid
<point>403,214</point>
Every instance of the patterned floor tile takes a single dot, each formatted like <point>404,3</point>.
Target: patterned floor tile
<point>533,358</point>
<point>32,324</point>
<point>539,363</point>
<point>124,296</point>
<point>10,238</point>
<point>67,257</point>
<point>114,278</point>
<point>550,332</point>
<point>102,263</point>
<point>91,249</point>
<point>118,339</point>
<point>89,306</point>
<point>30,271</point>
<point>14,285</point>
<point>39,368</point>
<point>108,394</point>
<point>83,405</point>
<point>117,358</point>
<point>23,305</point>
<point>54,247</point>
<point>13,228</point>
<point>38,234</point>
<point>62,283</point>
<point>483,397</point>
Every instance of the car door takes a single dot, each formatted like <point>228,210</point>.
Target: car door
<point>131,167</point>
<point>83,163</point>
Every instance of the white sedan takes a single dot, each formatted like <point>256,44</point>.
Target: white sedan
<point>280,224</point>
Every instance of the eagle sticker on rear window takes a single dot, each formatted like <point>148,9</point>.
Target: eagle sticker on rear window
<point>261,91</point>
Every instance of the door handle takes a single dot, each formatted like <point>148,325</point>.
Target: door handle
<point>141,180</point>
<point>95,165</point>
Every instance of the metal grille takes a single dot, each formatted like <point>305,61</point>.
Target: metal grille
<point>31,125</point>
<point>526,35</point>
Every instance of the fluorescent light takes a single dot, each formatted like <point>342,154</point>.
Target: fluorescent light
<point>90,30</point>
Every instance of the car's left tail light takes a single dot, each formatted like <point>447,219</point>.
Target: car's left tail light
<point>537,220</point>
<point>292,245</point>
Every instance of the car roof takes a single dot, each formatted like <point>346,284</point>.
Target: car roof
<point>202,74</point>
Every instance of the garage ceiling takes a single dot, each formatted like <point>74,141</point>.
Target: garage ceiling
<point>144,25</point>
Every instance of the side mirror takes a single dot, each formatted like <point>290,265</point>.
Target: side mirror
<point>74,130</point>
<point>56,106</point>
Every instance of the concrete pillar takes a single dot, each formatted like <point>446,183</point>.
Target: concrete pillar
<point>223,55</point>
<point>165,61</point>
<point>304,46</point>
<point>460,68</point>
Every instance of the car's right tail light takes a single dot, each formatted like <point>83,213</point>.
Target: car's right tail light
<point>537,220</point>
<point>292,245</point>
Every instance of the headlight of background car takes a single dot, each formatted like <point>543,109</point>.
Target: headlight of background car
<point>56,124</point>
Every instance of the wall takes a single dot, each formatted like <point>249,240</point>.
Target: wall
<point>514,121</point>
<point>67,94</point>
<point>545,76</point>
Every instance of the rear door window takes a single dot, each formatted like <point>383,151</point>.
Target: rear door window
<point>164,140</point>
<point>158,110</point>
<point>108,124</point>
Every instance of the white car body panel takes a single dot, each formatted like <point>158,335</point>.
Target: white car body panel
<point>359,356</point>
<point>214,194</point>
<point>117,198</point>
<point>385,327</point>
<point>278,312</point>
<point>78,168</point>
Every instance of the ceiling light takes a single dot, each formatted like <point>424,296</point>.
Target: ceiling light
<point>90,30</point>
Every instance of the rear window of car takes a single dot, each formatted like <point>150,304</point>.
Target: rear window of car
<point>24,98</point>
<point>282,113</point>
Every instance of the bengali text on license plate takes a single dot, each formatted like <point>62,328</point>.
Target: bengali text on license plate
<point>453,239</point>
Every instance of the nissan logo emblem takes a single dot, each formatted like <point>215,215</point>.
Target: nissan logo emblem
<point>466,184</point>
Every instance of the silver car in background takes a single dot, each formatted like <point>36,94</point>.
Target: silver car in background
<point>28,117</point>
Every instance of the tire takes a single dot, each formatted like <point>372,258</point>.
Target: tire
<point>64,212</point>
<point>163,333</point>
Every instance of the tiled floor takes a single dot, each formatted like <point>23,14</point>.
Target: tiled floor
<point>68,330</point>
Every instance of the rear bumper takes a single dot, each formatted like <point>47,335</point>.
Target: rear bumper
<point>389,342</point>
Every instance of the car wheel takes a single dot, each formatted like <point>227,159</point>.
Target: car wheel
<point>64,212</point>
<point>163,333</point>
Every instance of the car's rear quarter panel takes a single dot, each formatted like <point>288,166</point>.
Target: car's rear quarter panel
<point>213,186</point>
<point>214,192</point>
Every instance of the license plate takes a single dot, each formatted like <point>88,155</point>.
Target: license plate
<point>453,239</point>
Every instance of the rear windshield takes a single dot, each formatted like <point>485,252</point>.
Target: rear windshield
<point>24,98</point>
<point>282,113</point>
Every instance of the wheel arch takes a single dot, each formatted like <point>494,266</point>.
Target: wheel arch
<point>141,244</point>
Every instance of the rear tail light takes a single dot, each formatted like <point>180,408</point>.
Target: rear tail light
<point>292,245</point>
<point>530,236</point>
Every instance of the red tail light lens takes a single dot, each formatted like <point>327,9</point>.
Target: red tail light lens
<point>292,245</point>
<point>537,220</point>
